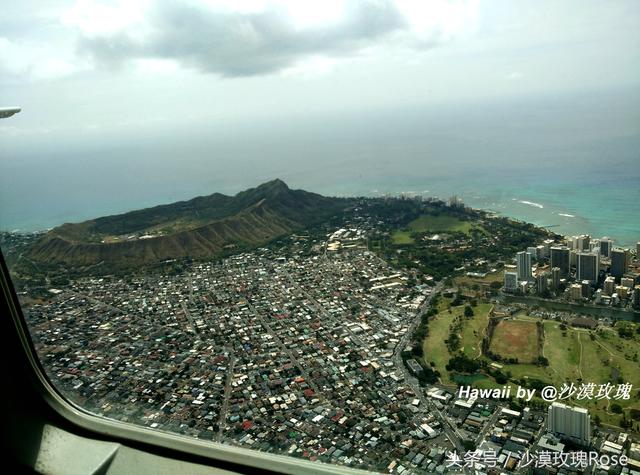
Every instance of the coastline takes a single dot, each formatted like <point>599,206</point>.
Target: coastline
<point>522,210</point>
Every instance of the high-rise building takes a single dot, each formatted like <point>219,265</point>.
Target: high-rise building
<point>524,266</point>
<point>583,242</point>
<point>606,245</point>
<point>622,292</point>
<point>588,266</point>
<point>638,250</point>
<point>572,423</point>
<point>586,289</point>
<point>510,281</point>
<point>533,251</point>
<point>555,277</point>
<point>547,243</point>
<point>597,297</point>
<point>523,287</point>
<point>560,257</point>
<point>575,292</point>
<point>572,242</point>
<point>541,282</point>
<point>619,262</point>
<point>455,202</point>
<point>609,285</point>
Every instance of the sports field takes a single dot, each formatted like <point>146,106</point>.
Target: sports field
<point>574,355</point>
<point>516,339</point>
<point>430,223</point>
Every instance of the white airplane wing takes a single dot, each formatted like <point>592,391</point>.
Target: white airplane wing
<point>8,111</point>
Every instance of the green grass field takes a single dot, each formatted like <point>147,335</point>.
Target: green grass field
<point>439,224</point>
<point>577,358</point>
<point>575,355</point>
<point>434,346</point>
<point>466,281</point>
<point>473,330</point>
<point>430,223</point>
<point>402,237</point>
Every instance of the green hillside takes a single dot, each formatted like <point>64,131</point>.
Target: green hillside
<point>201,227</point>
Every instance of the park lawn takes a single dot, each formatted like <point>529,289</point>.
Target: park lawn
<point>530,371</point>
<point>563,352</point>
<point>516,339</point>
<point>594,364</point>
<point>432,223</point>
<point>521,315</point>
<point>618,353</point>
<point>473,330</point>
<point>598,366</point>
<point>434,346</point>
<point>402,237</point>
<point>487,383</point>
<point>467,281</point>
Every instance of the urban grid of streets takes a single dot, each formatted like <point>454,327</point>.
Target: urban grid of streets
<point>298,356</point>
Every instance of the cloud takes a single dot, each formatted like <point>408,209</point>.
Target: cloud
<point>514,76</point>
<point>254,37</point>
<point>21,61</point>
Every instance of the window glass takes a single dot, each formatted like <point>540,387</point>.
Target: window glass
<point>394,235</point>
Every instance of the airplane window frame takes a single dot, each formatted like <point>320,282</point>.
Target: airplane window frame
<point>211,453</point>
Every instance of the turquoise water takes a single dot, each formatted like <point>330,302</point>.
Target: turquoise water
<point>598,208</point>
<point>571,163</point>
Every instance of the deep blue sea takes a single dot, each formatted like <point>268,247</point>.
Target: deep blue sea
<point>569,162</point>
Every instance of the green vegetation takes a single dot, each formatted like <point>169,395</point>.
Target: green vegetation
<point>402,237</point>
<point>439,223</point>
<point>435,344</point>
<point>473,330</point>
<point>203,227</point>
<point>430,224</point>
<point>450,325</point>
<point>489,279</point>
<point>562,355</point>
<point>464,236</point>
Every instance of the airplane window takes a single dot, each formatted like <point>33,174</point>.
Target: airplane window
<point>395,235</point>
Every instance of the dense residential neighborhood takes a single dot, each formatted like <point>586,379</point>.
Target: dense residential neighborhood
<point>297,353</point>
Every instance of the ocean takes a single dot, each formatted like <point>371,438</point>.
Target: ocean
<point>571,163</point>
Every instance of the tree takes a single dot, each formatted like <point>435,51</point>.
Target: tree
<point>500,377</point>
<point>468,312</point>
<point>469,444</point>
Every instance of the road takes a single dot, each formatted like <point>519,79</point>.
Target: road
<point>222,419</point>
<point>448,428</point>
<point>324,311</point>
<point>492,422</point>
<point>284,348</point>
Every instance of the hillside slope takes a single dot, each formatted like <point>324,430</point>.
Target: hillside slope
<point>198,228</point>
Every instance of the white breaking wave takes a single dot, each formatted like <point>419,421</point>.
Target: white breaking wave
<point>567,215</point>
<point>531,203</point>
